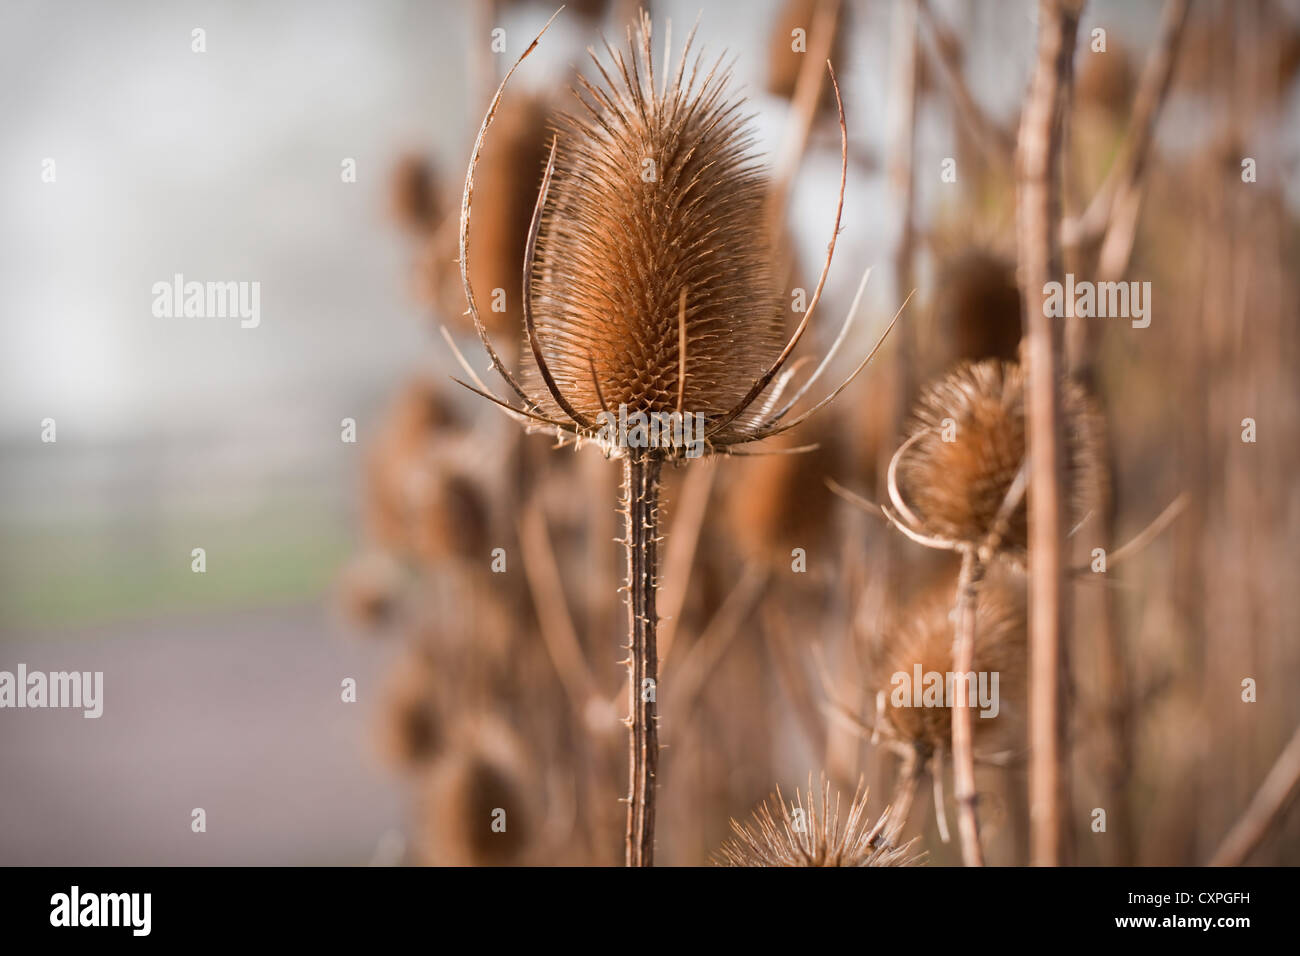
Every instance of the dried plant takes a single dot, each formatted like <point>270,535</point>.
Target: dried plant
<point>647,289</point>
<point>507,187</point>
<point>815,834</point>
<point>412,731</point>
<point>413,197</point>
<point>474,811</point>
<point>924,637</point>
<point>967,471</point>
<point>965,452</point>
<point>977,305</point>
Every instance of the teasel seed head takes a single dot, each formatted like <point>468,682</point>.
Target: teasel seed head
<point>414,196</point>
<point>448,511</point>
<point>812,832</point>
<point>651,263</point>
<point>654,220</point>
<point>370,589</point>
<point>966,448</point>
<point>924,635</point>
<point>461,798</point>
<point>977,306</point>
<point>780,501</point>
<point>412,723</point>
<point>410,430</point>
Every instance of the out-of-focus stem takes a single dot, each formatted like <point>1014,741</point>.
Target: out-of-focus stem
<point>1038,212</point>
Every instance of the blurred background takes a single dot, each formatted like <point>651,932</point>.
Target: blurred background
<point>328,559</point>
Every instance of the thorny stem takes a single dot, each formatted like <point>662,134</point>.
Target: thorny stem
<point>963,754</point>
<point>641,511</point>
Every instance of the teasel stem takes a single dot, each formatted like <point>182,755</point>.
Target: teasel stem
<point>1038,210</point>
<point>963,753</point>
<point>641,511</point>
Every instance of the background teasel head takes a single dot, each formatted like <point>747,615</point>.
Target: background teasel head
<point>411,728</point>
<point>923,636</point>
<point>812,832</point>
<point>474,807</point>
<point>503,209</point>
<point>966,450</point>
<point>780,501</point>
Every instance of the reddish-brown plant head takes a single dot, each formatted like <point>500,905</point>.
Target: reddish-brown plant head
<point>966,452</point>
<point>647,284</point>
<point>922,642</point>
<point>651,260</point>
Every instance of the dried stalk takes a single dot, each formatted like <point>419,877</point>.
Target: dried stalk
<point>963,764</point>
<point>1274,795</point>
<point>804,104</point>
<point>560,637</point>
<point>1109,214</point>
<point>641,510</point>
<point>1038,215</point>
<point>994,142</point>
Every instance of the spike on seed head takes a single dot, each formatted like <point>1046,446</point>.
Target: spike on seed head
<point>655,195</point>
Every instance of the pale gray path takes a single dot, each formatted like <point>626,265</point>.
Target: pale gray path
<point>239,714</point>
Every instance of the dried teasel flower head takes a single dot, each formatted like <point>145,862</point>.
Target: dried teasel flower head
<point>780,501</point>
<point>419,418</point>
<point>370,589</point>
<point>655,195</point>
<point>448,512</point>
<point>413,196</point>
<point>411,730</point>
<point>506,192</point>
<point>473,804</point>
<point>921,643</point>
<point>811,831</point>
<point>977,305</point>
<point>647,282</point>
<point>790,40</point>
<point>959,477</point>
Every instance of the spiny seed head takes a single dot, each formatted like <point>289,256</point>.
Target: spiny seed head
<point>370,589</point>
<point>977,305</point>
<point>924,637</point>
<point>411,428</point>
<point>811,832</point>
<point>412,727</point>
<point>655,195</point>
<point>972,441</point>
<point>413,197</point>
<point>463,792</point>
